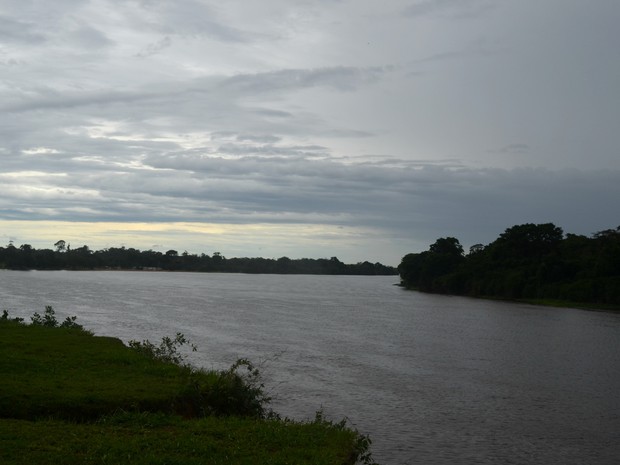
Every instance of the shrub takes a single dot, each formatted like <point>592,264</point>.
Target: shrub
<point>49,319</point>
<point>362,453</point>
<point>167,351</point>
<point>238,390</point>
<point>5,317</point>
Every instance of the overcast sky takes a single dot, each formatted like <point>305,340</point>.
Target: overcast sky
<point>351,128</point>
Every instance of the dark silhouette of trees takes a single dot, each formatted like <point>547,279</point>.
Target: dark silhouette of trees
<point>425,270</point>
<point>527,241</point>
<point>121,258</point>
<point>528,261</point>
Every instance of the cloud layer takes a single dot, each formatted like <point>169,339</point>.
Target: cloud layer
<point>384,128</point>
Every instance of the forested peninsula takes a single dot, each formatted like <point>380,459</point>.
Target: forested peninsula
<point>64,257</point>
<point>532,262</point>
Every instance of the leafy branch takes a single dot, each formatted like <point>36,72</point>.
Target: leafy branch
<point>167,350</point>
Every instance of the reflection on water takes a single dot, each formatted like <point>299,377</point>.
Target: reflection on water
<point>433,379</point>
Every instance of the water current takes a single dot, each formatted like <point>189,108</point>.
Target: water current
<point>432,379</point>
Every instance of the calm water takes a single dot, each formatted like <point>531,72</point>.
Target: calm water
<point>432,379</point>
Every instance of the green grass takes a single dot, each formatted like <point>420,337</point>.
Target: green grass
<point>70,374</point>
<point>68,397</point>
<point>151,439</point>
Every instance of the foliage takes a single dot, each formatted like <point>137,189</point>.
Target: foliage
<point>362,453</point>
<point>236,391</point>
<point>49,319</point>
<point>5,317</point>
<point>63,256</point>
<point>424,270</point>
<point>239,390</point>
<point>528,261</point>
<point>167,351</point>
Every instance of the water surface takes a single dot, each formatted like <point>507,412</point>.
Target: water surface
<point>433,379</point>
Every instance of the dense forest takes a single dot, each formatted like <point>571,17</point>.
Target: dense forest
<point>63,257</point>
<point>528,261</point>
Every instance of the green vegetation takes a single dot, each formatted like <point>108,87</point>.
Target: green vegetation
<point>155,439</point>
<point>70,397</point>
<point>25,257</point>
<point>530,262</point>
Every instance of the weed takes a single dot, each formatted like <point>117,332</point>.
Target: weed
<point>239,390</point>
<point>362,453</point>
<point>49,320</point>
<point>167,351</point>
<point>5,317</point>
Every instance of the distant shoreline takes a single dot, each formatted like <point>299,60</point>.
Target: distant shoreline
<point>25,257</point>
<point>161,270</point>
<point>539,302</point>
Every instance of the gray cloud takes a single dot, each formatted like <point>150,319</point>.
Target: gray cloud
<point>303,113</point>
<point>19,31</point>
<point>155,47</point>
<point>90,38</point>
<point>236,87</point>
<point>270,113</point>
<point>303,151</point>
<point>512,149</point>
<point>341,78</point>
<point>189,18</point>
<point>49,98</point>
<point>399,197</point>
<point>266,138</point>
<point>449,8</point>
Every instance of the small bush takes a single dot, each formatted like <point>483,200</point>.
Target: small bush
<point>167,351</point>
<point>49,320</point>
<point>362,453</point>
<point>236,391</point>
<point>5,317</point>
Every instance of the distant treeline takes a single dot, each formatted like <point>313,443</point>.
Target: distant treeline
<point>63,257</point>
<point>529,261</point>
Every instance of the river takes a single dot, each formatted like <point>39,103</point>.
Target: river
<point>432,379</point>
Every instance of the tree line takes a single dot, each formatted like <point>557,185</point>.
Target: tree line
<point>26,257</point>
<point>528,261</point>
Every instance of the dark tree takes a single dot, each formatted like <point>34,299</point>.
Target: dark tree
<point>424,270</point>
<point>528,261</point>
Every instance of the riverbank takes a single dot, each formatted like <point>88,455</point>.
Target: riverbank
<point>542,302</point>
<point>572,304</point>
<point>70,397</point>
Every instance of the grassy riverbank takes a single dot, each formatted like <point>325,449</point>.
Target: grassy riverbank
<point>69,397</point>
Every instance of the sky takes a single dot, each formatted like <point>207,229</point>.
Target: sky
<point>317,128</point>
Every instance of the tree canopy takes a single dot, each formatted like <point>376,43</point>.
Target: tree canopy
<point>528,261</point>
<point>63,256</point>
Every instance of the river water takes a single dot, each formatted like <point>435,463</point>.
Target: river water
<point>432,379</point>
